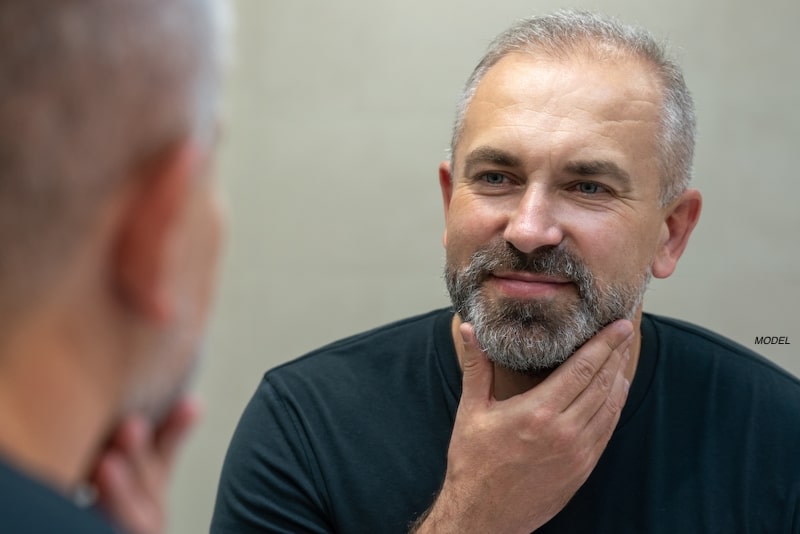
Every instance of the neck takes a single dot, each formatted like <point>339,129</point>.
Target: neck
<point>509,383</point>
<point>55,406</point>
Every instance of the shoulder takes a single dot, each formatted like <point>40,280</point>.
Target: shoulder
<point>690,343</point>
<point>314,423</point>
<point>732,410</point>
<point>394,344</point>
<point>400,357</point>
<point>702,370</point>
<point>30,507</point>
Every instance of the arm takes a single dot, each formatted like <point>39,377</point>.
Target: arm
<point>514,464</point>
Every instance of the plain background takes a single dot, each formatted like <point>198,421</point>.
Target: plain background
<point>338,114</point>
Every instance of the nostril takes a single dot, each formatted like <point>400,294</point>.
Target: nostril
<point>530,234</point>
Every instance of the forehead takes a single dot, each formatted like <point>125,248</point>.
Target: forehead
<point>607,105</point>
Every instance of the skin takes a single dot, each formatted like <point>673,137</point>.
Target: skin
<point>553,153</point>
<point>552,436</point>
<point>132,471</point>
<point>97,395</point>
<point>172,284</point>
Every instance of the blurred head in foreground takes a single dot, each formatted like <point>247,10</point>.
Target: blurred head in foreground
<point>110,226</point>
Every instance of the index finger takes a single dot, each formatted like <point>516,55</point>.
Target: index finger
<point>572,377</point>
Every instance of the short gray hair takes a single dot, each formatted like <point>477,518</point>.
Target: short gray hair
<point>88,90</point>
<point>567,33</point>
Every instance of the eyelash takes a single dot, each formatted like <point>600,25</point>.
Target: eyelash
<point>599,188</point>
<point>483,178</point>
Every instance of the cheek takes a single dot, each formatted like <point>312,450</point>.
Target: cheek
<point>614,247</point>
<point>471,223</point>
<point>463,238</point>
<point>634,253</point>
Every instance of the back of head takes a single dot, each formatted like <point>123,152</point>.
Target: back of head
<point>90,89</point>
<point>566,34</point>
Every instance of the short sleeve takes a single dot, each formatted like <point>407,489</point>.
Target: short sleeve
<point>268,477</point>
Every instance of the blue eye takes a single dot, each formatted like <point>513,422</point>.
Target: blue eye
<point>493,178</point>
<point>590,188</point>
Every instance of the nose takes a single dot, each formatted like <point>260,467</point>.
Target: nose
<point>534,222</point>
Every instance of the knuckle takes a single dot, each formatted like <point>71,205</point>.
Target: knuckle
<point>540,418</point>
<point>471,366</point>
<point>583,370</point>
<point>613,406</point>
<point>539,425</point>
<point>617,396</point>
<point>610,345</point>
<point>604,378</point>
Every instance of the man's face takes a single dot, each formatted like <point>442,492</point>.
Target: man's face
<point>552,214</point>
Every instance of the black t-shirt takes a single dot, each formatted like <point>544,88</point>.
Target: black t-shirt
<point>353,438</point>
<point>29,507</point>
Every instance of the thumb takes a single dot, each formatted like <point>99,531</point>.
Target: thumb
<point>478,372</point>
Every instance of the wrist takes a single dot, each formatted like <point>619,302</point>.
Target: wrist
<point>445,516</point>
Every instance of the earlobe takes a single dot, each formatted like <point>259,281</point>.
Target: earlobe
<point>150,217</point>
<point>678,226</point>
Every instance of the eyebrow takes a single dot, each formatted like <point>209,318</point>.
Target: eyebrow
<point>495,156</point>
<point>599,168</point>
<point>487,154</point>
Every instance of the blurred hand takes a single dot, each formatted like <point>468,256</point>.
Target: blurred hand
<point>514,464</point>
<point>132,473</point>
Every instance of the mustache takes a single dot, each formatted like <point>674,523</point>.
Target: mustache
<point>549,260</point>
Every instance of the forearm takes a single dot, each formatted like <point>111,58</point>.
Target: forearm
<point>457,512</point>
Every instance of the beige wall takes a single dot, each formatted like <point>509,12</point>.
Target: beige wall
<point>340,112</point>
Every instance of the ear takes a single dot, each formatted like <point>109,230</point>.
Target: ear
<point>446,185</point>
<point>151,215</point>
<point>682,216</point>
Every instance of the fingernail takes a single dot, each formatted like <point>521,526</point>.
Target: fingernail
<point>627,385</point>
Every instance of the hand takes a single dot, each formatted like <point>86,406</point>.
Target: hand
<point>132,473</point>
<point>514,464</point>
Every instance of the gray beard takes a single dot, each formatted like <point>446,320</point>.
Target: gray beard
<point>536,336</point>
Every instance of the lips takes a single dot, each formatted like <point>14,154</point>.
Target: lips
<point>527,285</point>
<point>537,278</point>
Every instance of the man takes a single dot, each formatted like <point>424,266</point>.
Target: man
<point>110,232</point>
<point>545,400</point>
